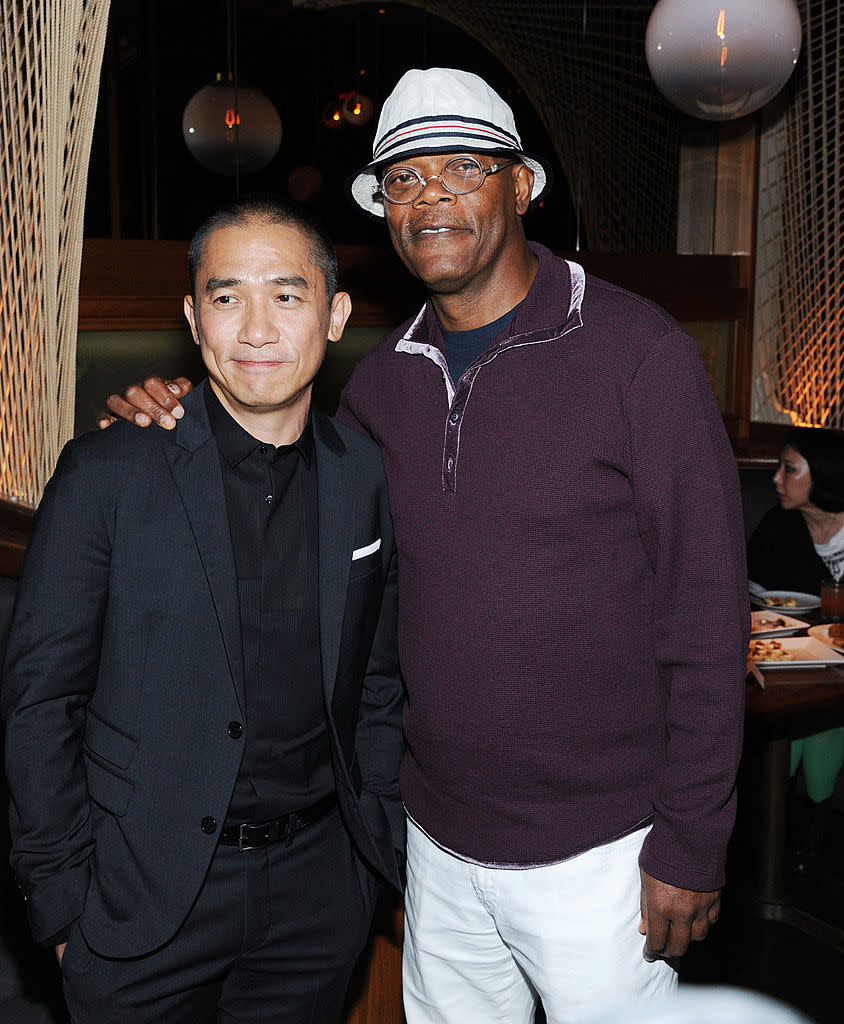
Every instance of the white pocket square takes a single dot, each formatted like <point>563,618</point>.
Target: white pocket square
<point>370,549</point>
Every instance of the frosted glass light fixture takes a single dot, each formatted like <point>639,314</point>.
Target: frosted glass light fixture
<point>231,129</point>
<point>722,60</point>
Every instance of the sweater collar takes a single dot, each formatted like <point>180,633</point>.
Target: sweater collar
<point>552,303</point>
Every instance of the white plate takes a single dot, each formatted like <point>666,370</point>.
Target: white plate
<point>805,651</point>
<point>762,624</point>
<point>802,602</point>
<point>822,633</point>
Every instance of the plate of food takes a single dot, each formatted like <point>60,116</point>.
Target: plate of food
<point>793,652</point>
<point>773,623</point>
<point>831,634</point>
<point>787,600</point>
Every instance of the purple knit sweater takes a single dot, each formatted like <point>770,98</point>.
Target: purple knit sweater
<point>572,588</point>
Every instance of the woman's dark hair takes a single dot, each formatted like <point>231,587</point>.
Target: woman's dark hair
<point>823,450</point>
<point>268,208</point>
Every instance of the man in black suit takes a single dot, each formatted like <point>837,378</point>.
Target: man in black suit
<point>204,774</point>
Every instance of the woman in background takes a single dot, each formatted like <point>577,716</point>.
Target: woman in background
<point>801,541</point>
<point>795,546</point>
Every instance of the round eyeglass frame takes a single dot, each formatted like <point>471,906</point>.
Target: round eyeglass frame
<point>379,193</point>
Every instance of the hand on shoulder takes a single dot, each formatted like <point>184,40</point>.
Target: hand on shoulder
<point>154,400</point>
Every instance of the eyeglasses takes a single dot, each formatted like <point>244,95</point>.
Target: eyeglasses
<point>460,176</point>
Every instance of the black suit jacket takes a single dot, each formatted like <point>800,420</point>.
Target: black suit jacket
<point>124,670</point>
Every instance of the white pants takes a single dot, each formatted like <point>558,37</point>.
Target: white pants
<point>481,944</point>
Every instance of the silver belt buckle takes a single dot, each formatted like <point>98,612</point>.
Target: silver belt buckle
<point>242,843</point>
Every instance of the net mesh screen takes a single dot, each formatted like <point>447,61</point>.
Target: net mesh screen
<point>582,65</point>
<point>50,59</point>
<point>798,351</point>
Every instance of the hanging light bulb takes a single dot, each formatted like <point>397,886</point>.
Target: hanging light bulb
<point>357,108</point>
<point>332,115</point>
<point>231,129</point>
<point>721,60</point>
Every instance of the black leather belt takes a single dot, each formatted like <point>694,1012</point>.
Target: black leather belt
<point>254,835</point>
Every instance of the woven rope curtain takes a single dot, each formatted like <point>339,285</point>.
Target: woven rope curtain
<point>582,65</point>
<point>50,61</point>
<point>799,348</point>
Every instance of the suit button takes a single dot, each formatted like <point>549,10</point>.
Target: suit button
<point>208,825</point>
<point>235,730</point>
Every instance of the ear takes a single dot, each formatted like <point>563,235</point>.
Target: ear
<point>190,316</point>
<point>523,184</point>
<point>341,307</point>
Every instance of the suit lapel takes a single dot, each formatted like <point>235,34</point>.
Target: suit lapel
<point>195,464</point>
<point>336,538</point>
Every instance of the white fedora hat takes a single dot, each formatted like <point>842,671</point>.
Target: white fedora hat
<point>441,110</point>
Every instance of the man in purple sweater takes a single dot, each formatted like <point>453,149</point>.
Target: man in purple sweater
<point>572,590</point>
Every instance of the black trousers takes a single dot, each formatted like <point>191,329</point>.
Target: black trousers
<point>272,937</point>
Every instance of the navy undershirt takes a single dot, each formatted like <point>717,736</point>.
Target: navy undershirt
<point>462,348</point>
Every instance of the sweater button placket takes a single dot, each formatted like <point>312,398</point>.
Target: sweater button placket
<point>452,432</point>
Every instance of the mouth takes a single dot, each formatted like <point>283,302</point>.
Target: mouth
<point>433,230</point>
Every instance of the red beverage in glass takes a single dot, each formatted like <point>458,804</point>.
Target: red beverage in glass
<point>832,600</point>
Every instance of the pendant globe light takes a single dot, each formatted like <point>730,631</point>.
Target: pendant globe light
<point>357,109</point>
<point>229,128</point>
<point>721,60</point>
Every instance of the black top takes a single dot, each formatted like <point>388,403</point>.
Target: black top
<point>781,554</point>
<point>271,498</point>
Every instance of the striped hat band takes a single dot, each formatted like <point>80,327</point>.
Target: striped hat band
<point>445,130</point>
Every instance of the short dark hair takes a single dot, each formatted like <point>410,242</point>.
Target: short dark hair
<point>267,208</point>
<point>823,450</point>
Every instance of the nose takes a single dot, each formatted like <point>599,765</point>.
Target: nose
<point>433,191</point>
<point>258,327</point>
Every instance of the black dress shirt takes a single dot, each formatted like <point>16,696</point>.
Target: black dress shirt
<point>271,498</point>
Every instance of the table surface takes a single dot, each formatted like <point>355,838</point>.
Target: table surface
<point>795,702</point>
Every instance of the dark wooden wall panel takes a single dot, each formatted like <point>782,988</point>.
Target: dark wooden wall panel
<point>127,284</point>
<point>15,525</point>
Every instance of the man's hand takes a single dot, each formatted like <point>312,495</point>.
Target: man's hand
<point>154,400</point>
<point>672,918</point>
<point>60,952</point>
